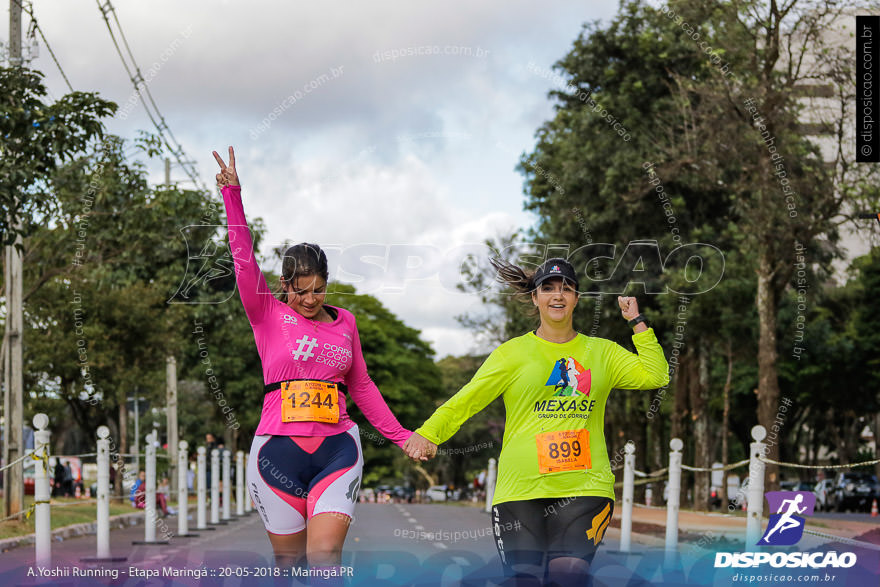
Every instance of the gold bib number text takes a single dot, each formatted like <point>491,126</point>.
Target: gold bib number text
<point>309,401</point>
<point>563,450</point>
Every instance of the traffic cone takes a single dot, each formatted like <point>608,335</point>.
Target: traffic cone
<point>874,509</point>
<point>88,492</point>
<point>76,492</point>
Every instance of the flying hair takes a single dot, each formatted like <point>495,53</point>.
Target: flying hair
<point>514,276</point>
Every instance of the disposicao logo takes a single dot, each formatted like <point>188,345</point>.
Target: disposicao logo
<point>785,528</point>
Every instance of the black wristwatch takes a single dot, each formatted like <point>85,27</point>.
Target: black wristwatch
<point>637,319</point>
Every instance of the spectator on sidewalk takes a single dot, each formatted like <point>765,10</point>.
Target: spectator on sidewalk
<point>140,495</point>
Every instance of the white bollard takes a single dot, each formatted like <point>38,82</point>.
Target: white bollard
<point>757,449</point>
<point>150,496</point>
<point>491,476</point>
<point>629,468</point>
<point>248,504</point>
<point>201,488</point>
<point>215,486</point>
<point>150,516</point>
<point>182,493</point>
<point>239,483</point>
<point>103,521</point>
<point>42,513</point>
<point>672,505</point>
<point>227,485</point>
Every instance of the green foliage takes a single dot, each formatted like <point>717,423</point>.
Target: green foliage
<point>35,137</point>
<point>98,274</point>
<point>694,167</point>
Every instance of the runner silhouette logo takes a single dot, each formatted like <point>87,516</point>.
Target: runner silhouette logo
<point>570,378</point>
<point>786,526</point>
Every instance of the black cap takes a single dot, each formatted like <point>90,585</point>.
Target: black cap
<point>555,267</point>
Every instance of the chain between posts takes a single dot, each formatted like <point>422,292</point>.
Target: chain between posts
<point>44,457</point>
<point>705,470</point>
<point>842,539</point>
<point>797,466</point>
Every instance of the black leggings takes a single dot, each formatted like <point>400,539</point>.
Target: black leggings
<point>531,533</point>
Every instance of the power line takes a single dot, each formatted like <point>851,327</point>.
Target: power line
<point>141,88</point>
<point>35,26</point>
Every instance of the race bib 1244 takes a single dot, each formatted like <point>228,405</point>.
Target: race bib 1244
<point>309,401</point>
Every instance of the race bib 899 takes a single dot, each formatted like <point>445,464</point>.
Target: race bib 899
<point>563,450</point>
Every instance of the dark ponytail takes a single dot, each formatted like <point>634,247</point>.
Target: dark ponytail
<point>516,277</point>
<point>521,281</point>
<point>302,259</point>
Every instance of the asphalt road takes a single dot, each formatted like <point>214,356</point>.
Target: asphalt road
<point>387,545</point>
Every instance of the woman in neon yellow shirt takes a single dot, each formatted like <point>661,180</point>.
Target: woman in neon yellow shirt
<point>555,382</point>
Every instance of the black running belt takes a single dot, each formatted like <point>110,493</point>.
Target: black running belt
<point>277,385</point>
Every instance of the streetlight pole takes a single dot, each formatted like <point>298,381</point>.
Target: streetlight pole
<point>13,403</point>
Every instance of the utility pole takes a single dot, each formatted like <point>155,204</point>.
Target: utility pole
<point>137,430</point>
<point>171,415</point>
<point>171,389</point>
<point>13,479</point>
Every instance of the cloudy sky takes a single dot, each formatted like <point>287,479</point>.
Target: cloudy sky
<point>396,131</point>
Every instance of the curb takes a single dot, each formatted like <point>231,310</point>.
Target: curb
<point>74,530</point>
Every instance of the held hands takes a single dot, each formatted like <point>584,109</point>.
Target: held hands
<point>629,307</point>
<point>227,175</point>
<point>419,448</point>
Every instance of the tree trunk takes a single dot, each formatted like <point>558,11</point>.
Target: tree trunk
<point>877,443</point>
<point>122,447</point>
<point>679,411</point>
<point>768,382</point>
<point>725,429</point>
<point>658,444</point>
<point>699,383</point>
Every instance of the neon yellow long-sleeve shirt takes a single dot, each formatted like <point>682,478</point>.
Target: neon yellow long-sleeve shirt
<point>554,396</point>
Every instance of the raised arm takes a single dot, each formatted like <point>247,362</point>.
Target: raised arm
<point>252,287</point>
<point>646,370</point>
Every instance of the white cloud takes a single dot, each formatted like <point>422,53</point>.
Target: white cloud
<point>417,150</point>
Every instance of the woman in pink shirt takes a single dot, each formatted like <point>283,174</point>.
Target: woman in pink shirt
<point>306,461</point>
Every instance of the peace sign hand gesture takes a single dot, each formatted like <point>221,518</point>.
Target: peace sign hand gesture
<point>227,175</point>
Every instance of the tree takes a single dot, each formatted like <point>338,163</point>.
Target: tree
<point>590,185</point>
<point>710,111</point>
<point>747,131</point>
<point>34,138</point>
<point>99,273</point>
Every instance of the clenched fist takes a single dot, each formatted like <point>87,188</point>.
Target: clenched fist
<point>629,307</point>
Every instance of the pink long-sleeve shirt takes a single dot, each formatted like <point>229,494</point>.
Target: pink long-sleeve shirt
<point>294,347</point>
